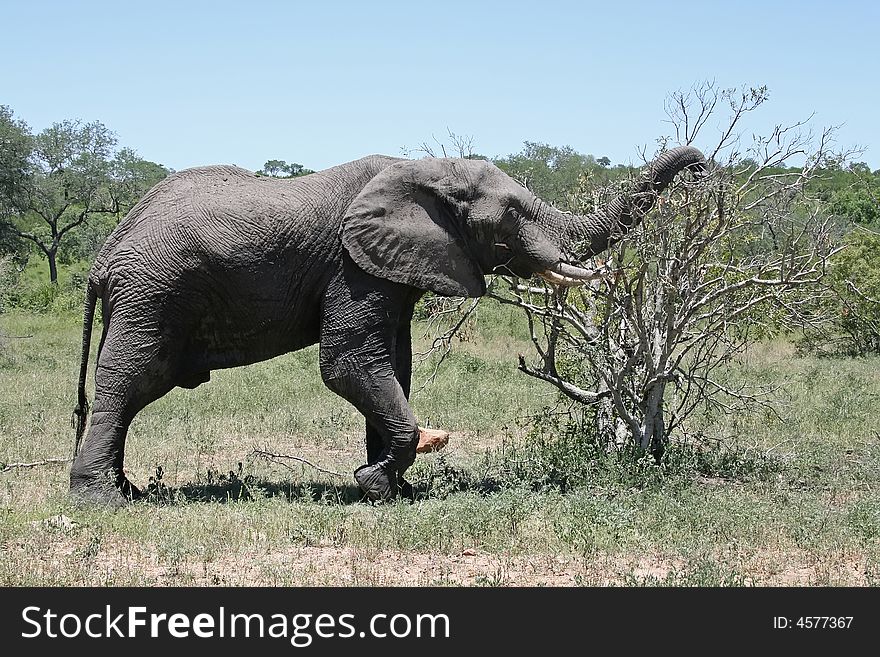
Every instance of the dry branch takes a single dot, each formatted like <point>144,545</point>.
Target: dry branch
<point>7,467</point>
<point>460,309</point>
<point>279,459</point>
<point>570,390</point>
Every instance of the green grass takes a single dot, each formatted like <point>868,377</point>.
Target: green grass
<point>518,497</point>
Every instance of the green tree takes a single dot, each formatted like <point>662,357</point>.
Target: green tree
<point>557,173</point>
<point>130,178</point>
<point>281,169</point>
<point>852,305</point>
<point>54,182</point>
<point>857,199</point>
<point>16,144</point>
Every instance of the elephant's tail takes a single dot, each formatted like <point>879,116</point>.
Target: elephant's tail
<point>81,412</point>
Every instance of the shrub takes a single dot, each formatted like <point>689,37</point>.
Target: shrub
<point>26,289</point>
<point>855,280</point>
<point>851,306</point>
<point>562,453</point>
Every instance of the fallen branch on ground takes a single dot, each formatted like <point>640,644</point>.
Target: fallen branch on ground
<point>278,458</point>
<point>7,467</point>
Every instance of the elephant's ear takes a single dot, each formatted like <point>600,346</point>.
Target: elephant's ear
<point>406,226</point>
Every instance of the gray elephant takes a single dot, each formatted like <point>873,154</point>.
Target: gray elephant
<point>216,267</point>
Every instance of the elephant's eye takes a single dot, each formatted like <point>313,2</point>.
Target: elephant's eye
<point>513,215</point>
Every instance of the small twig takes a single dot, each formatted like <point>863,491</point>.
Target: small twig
<point>864,297</point>
<point>274,458</point>
<point>11,466</point>
<point>442,344</point>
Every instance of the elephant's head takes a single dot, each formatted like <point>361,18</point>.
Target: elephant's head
<point>442,224</point>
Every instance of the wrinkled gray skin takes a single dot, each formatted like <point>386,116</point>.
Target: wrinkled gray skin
<point>216,268</point>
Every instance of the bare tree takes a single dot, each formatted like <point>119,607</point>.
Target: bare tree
<point>721,258</point>
<point>458,146</point>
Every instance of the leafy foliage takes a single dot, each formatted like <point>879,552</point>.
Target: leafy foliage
<point>562,453</point>
<point>855,277</point>
<point>54,182</point>
<point>851,306</point>
<point>281,169</point>
<point>557,174</point>
<point>852,194</point>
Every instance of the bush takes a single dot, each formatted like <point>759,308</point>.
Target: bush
<point>855,279</point>
<point>25,289</point>
<point>562,453</point>
<point>852,305</point>
<point>10,274</point>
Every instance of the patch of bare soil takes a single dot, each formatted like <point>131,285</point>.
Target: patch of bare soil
<point>117,560</point>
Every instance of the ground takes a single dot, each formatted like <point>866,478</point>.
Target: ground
<point>748,501</point>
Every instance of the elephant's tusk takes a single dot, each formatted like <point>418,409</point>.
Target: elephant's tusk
<point>566,275</point>
<point>556,279</point>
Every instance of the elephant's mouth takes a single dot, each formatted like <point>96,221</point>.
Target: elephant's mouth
<point>538,255</point>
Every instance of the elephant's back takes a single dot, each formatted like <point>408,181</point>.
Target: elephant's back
<point>192,198</point>
<point>203,215</point>
<point>225,218</point>
<point>168,204</point>
<point>224,206</point>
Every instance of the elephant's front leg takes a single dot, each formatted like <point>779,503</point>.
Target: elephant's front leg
<point>402,364</point>
<point>366,359</point>
<point>373,389</point>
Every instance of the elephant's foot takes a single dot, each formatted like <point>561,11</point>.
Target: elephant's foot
<point>107,492</point>
<point>376,483</point>
<point>406,490</point>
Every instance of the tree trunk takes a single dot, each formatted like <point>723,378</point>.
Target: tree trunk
<point>653,429</point>
<point>53,266</point>
<point>610,427</point>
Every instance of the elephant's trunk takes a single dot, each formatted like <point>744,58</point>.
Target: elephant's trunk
<point>588,235</point>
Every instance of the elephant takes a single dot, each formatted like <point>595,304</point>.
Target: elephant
<point>216,267</point>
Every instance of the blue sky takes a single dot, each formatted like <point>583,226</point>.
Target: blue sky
<point>324,82</point>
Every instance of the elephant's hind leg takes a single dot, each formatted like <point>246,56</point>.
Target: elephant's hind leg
<point>96,475</point>
<point>130,375</point>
